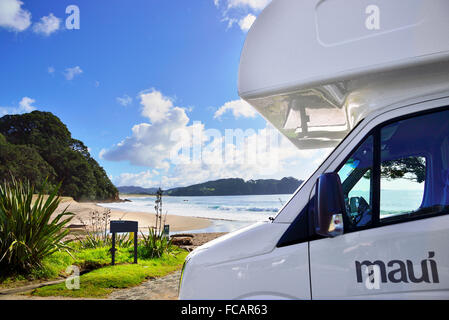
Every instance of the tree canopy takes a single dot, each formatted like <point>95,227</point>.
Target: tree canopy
<point>37,145</point>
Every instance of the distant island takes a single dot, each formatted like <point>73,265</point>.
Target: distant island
<point>37,146</point>
<point>225,187</point>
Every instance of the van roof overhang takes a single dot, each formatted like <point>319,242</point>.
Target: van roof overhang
<point>314,78</point>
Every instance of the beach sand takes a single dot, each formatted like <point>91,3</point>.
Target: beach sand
<point>82,210</point>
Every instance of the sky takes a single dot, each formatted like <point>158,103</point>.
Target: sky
<point>149,86</point>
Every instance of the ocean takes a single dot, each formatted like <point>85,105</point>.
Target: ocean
<point>230,213</point>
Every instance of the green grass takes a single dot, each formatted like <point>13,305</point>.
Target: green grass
<point>101,278</point>
<point>98,257</point>
<point>100,282</point>
<point>53,267</point>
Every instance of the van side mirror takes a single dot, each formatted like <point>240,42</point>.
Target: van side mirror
<point>330,205</point>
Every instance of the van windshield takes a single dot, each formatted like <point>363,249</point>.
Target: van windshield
<point>356,182</point>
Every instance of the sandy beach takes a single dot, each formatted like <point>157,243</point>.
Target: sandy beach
<point>82,210</point>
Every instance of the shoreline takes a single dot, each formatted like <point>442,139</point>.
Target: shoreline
<point>82,211</point>
<point>215,224</point>
<point>210,219</point>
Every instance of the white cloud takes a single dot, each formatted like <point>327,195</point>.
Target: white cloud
<point>144,179</point>
<point>13,17</point>
<point>246,22</point>
<point>151,144</point>
<point>51,70</point>
<point>125,100</point>
<point>155,106</point>
<point>239,108</point>
<point>230,21</point>
<point>25,105</point>
<point>70,73</point>
<point>241,12</point>
<point>253,4</point>
<point>47,25</point>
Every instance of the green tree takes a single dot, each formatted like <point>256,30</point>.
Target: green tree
<point>412,168</point>
<point>37,145</point>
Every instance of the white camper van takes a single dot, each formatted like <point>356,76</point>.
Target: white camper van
<point>370,79</point>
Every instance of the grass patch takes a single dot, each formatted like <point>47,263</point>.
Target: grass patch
<point>100,282</point>
<point>53,267</point>
<point>88,259</point>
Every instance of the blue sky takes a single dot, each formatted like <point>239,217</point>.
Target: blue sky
<point>134,73</point>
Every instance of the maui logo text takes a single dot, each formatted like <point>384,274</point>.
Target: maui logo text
<point>399,271</point>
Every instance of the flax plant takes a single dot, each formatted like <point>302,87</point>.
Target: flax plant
<point>28,232</point>
<point>155,244</point>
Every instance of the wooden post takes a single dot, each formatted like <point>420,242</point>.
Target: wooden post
<point>113,248</point>
<point>135,247</point>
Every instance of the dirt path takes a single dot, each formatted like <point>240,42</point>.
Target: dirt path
<point>164,288</point>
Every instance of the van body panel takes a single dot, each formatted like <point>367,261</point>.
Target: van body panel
<point>240,244</point>
<point>333,262</point>
<point>298,44</point>
<point>280,274</point>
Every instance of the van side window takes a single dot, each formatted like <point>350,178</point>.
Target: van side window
<point>356,178</point>
<point>414,167</point>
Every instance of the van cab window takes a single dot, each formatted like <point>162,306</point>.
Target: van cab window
<point>414,167</point>
<point>356,178</point>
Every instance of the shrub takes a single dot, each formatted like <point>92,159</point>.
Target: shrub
<point>154,245</point>
<point>98,236</point>
<point>28,233</point>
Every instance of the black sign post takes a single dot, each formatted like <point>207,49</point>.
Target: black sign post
<point>166,230</point>
<point>123,226</point>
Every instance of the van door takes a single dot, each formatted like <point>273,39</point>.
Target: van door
<point>396,227</point>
